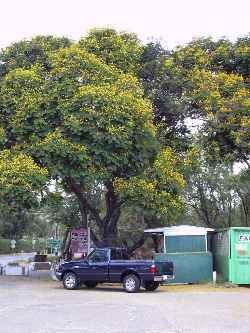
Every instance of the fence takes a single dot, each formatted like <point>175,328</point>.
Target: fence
<point>22,245</point>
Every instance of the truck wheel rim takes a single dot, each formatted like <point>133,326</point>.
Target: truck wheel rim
<point>130,284</point>
<point>70,281</point>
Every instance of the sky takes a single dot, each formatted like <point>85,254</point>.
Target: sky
<point>173,22</point>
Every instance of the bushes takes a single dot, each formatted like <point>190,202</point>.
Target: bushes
<point>4,246</point>
<point>24,245</point>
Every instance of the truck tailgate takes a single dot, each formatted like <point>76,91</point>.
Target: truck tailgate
<point>165,268</point>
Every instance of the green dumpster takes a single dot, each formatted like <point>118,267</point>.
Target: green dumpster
<point>231,250</point>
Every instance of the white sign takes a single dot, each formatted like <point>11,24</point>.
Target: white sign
<point>33,243</point>
<point>244,238</point>
<point>13,243</point>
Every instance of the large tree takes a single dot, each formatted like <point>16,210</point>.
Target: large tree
<point>90,126</point>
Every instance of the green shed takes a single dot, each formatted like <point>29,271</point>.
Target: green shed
<point>188,248</point>
<point>231,250</point>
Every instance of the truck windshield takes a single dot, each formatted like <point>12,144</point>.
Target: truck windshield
<point>98,256</point>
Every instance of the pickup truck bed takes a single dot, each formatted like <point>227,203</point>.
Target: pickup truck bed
<point>100,267</point>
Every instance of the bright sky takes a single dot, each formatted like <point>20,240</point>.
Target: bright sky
<point>174,22</point>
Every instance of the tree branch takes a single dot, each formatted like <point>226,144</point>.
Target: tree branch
<point>137,244</point>
<point>84,205</point>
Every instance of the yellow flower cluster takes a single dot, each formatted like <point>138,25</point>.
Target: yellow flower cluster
<point>20,170</point>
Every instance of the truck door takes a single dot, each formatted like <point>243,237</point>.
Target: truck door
<point>98,265</point>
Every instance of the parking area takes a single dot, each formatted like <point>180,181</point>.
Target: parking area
<point>43,306</point>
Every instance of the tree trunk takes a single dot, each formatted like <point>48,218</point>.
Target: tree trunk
<point>82,208</point>
<point>65,244</point>
<point>110,230</point>
<point>107,234</point>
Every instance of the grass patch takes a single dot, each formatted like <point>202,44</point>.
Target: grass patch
<point>202,288</point>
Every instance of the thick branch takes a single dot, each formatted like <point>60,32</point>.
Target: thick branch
<point>94,238</point>
<point>137,244</point>
<point>84,205</point>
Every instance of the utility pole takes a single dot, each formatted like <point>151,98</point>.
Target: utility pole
<point>88,231</point>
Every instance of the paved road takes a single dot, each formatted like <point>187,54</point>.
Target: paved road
<point>4,259</point>
<point>43,306</point>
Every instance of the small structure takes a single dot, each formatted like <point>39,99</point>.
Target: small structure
<point>231,249</point>
<point>40,263</point>
<point>188,247</point>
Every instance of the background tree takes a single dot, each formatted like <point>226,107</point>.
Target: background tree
<point>217,91</point>
<point>242,188</point>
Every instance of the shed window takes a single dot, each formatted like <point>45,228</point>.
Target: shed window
<point>185,244</point>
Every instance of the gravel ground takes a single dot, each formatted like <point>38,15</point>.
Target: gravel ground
<point>43,306</point>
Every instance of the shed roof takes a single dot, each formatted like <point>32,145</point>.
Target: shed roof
<point>180,230</point>
<point>233,228</point>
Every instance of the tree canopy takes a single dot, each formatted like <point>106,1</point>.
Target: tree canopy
<point>122,50</point>
<point>89,125</point>
<point>107,118</point>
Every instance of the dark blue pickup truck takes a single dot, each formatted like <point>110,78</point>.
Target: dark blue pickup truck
<point>110,265</point>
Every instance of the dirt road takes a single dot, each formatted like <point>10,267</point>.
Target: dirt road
<point>43,306</point>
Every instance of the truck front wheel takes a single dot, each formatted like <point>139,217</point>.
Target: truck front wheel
<point>70,281</point>
<point>131,283</point>
<point>151,286</point>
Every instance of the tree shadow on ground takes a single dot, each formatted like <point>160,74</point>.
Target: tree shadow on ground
<point>106,288</point>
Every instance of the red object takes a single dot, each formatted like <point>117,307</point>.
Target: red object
<point>79,241</point>
<point>153,269</point>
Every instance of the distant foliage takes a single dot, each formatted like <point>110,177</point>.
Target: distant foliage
<point>215,87</point>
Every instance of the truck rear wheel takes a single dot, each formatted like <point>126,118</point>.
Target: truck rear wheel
<point>131,283</point>
<point>151,286</point>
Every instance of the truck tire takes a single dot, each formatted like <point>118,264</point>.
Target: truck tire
<point>131,283</point>
<point>151,286</point>
<point>90,284</point>
<point>70,281</point>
